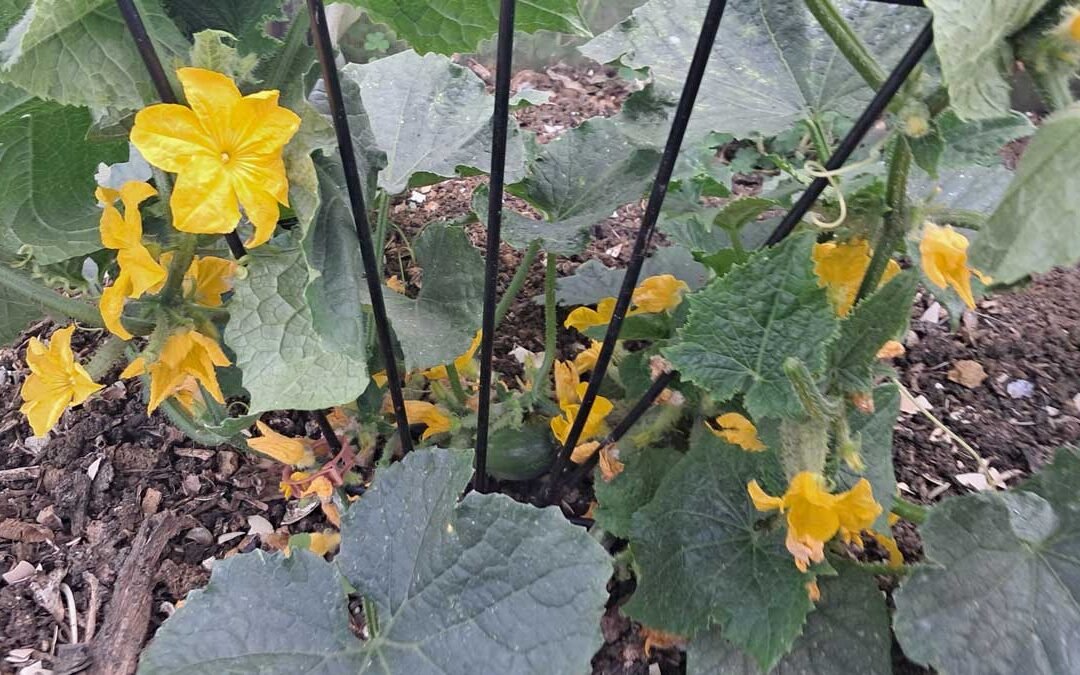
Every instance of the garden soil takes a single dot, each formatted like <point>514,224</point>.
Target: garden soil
<point>75,509</point>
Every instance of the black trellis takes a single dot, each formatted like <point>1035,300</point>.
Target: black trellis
<point>559,475</point>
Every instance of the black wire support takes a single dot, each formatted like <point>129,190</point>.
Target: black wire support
<point>328,432</point>
<point>854,137</point>
<point>325,51</point>
<point>685,107</point>
<point>499,127</point>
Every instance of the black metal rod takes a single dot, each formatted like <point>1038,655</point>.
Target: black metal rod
<point>644,403</point>
<point>702,51</point>
<point>499,126</point>
<point>327,430</point>
<point>902,3</point>
<point>325,52</point>
<point>854,137</point>
<point>165,92</point>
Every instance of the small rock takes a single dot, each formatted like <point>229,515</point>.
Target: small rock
<point>151,501</point>
<point>932,314</point>
<point>967,373</point>
<point>229,536</point>
<point>417,197</point>
<point>191,485</point>
<point>975,481</point>
<point>227,463</point>
<point>1020,389</point>
<point>200,535</point>
<point>259,525</point>
<point>20,573</point>
<point>47,517</point>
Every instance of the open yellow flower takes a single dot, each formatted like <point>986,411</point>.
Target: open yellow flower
<point>430,415</point>
<point>594,424</point>
<point>291,451</point>
<point>207,279</point>
<point>461,363</point>
<point>55,382</point>
<point>944,260</point>
<point>225,150</point>
<point>139,272</point>
<point>185,354</point>
<point>586,360</point>
<point>814,515</point>
<point>566,383</point>
<point>840,268</point>
<point>737,429</point>
<point>583,318</point>
<point>659,293</point>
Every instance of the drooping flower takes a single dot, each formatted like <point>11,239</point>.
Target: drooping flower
<point>583,318</point>
<point>56,381</point>
<point>586,360</point>
<point>185,354</point>
<point>395,284</point>
<point>944,260</point>
<point>461,363</point>
<point>584,451</point>
<point>814,515</point>
<point>566,383</point>
<point>430,415</point>
<point>226,151</point>
<point>610,464</point>
<point>139,272</point>
<point>291,451</point>
<point>659,293</point>
<point>737,429</point>
<point>840,269</point>
<point>208,279</point>
<point>891,350</point>
<point>658,639</point>
<point>594,424</point>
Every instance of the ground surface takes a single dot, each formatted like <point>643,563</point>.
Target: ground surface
<point>70,507</point>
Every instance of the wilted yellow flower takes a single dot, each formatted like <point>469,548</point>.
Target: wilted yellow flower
<point>395,284</point>
<point>584,451</point>
<point>659,293</point>
<point>840,269</point>
<point>185,354</point>
<point>435,418</point>
<point>566,383</point>
<point>226,151</point>
<point>814,516</point>
<point>461,363</point>
<point>586,360</point>
<point>584,318</point>
<point>658,639</point>
<point>610,464</point>
<point>891,350</point>
<point>320,486</point>
<point>56,381</point>
<point>291,451</point>
<point>321,543</point>
<point>944,260</point>
<point>594,425</point>
<point>737,429</point>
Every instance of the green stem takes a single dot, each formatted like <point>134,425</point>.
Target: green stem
<point>821,144</point>
<point>382,220</point>
<point>173,292</point>
<point>164,187</point>
<point>550,332</point>
<point>895,223</point>
<point>1053,87</point>
<point>883,569</point>
<point>455,384</point>
<point>849,43</point>
<point>46,298</point>
<point>294,42</point>
<point>109,351</point>
<point>916,513</point>
<point>371,616</point>
<point>516,283</point>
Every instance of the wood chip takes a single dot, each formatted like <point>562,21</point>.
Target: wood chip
<point>932,314</point>
<point>20,573</point>
<point>28,533</point>
<point>30,473</point>
<point>967,373</point>
<point>195,453</point>
<point>151,501</point>
<point>259,525</point>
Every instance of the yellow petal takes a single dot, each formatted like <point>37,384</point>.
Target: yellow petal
<point>169,136</point>
<point>209,278</point>
<point>762,500</point>
<point>380,378</point>
<point>586,360</point>
<point>432,416</point>
<point>583,452</point>
<point>111,306</point>
<point>738,430</point>
<point>896,558</point>
<point>566,384</point>
<point>891,350</point>
<point>211,96</point>
<point>659,293</point>
<point>291,451</point>
<point>203,200</point>
<point>812,591</point>
<point>142,271</point>
<point>610,464</point>
<point>395,284</point>
<point>584,318</point>
<point>944,260</point>
<point>840,268</point>
<point>321,543</point>
<point>260,207</point>
<point>856,508</point>
<point>56,381</point>
<point>136,367</point>
<point>461,363</point>
<point>266,126</point>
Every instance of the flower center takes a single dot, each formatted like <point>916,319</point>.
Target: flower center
<point>225,157</point>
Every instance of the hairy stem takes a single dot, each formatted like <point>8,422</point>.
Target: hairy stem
<point>516,283</point>
<point>895,223</point>
<point>47,299</point>
<point>916,513</point>
<point>849,43</point>
<point>550,330</point>
<point>455,384</point>
<point>108,353</point>
<point>173,292</point>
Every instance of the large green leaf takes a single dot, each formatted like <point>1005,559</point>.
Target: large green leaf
<point>744,325</point>
<point>449,26</point>
<point>79,52</point>
<point>971,193</point>
<point>875,432</point>
<point>970,38</point>
<point>702,560</point>
<point>246,20</point>
<point>594,280</point>
<point>1002,580</point>
<point>47,202</point>
<point>484,585</point>
<point>772,64</point>
<point>286,364</point>
<point>431,117</point>
<point>619,499</point>
<point>575,181</point>
<point>17,311</point>
<point>1035,226</point>
<point>979,141</point>
<point>848,632</point>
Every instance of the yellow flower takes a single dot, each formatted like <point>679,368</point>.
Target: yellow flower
<point>657,639</point>
<point>566,383</point>
<point>187,353</point>
<point>584,318</point>
<point>891,350</point>
<point>380,379</point>
<point>896,558</point>
<point>610,464</point>
<point>814,516</point>
<point>56,381</point>
<point>189,396</point>
<point>291,451</point>
<point>840,269</point>
<point>320,486</point>
<point>207,279</point>
<point>735,428</point>
<point>226,151</point>
<point>321,543</point>
<point>395,284</point>
<point>586,360</point>
<point>594,425</point>
<point>435,418</point>
<point>944,260</point>
<point>139,272</point>
<point>461,363</point>
<point>584,451</point>
<point>659,293</point>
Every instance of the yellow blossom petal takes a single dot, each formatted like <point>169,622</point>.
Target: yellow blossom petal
<point>203,200</point>
<point>208,278</point>
<point>432,416</point>
<point>944,260</point>
<point>762,500</point>
<point>55,382</point>
<point>169,135</point>
<point>891,350</point>
<point>812,591</point>
<point>395,284</point>
<point>737,429</point>
<point>610,464</point>
<point>111,306</point>
<point>321,543</point>
<point>584,451</point>
<point>659,293</point>
<point>566,384</point>
<point>320,486</point>
<point>584,318</point>
<point>291,451</point>
<point>380,379</point>
<point>896,558</point>
<point>840,268</point>
<point>461,363</point>
<point>594,425</point>
<point>586,360</point>
<point>186,353</point>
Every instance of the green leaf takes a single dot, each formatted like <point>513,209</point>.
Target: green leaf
<point>702,560</point>
<point>979,142</point>
<point>927,151</point>
<point>47,202</point>
<point>876,436</point>
<point>960,196</point>
<point>772,64</point>
<point>976,60</point>
<point>431,117</point>
<point>1034,227</point>
<point>285,363</point>
<point>482,585</point>
<point>449,26</point>
<point>247,21</point>
<point>848,632</point>
<point>1002,580</point>
<point>881,317</point>
<point>575,181</point>
<point>16,313</point>
<point>78,52</point>
<point>744,325</point>
<point>594,280</point>
<point>619,499</point>
<point>709,230</point>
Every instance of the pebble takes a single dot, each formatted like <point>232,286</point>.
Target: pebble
<point>1020,389</point>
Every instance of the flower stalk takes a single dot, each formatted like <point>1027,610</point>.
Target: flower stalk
<point>51,301</point>
<point>896,218</point>
<point>849,43</point>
